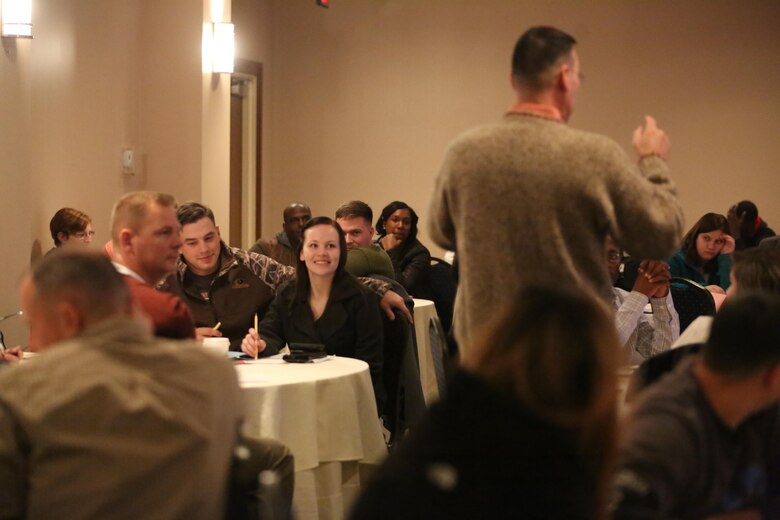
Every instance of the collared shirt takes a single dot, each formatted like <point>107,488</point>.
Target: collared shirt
<point>169,315</point>
<point>643,336</point>
<point>123,269</point>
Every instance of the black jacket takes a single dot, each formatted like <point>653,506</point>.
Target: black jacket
<point>350,326</point>
<point>412,263</point>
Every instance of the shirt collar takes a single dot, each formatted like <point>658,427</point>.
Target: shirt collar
<point>123,269</point>
<point>537,110</point>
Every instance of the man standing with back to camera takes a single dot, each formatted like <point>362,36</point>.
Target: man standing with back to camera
<point>559,191</point>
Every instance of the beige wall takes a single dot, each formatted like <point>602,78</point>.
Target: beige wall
<point>98,76</point>
<point>111,74</point>
<point>15,227</point>
<point>367,94</point>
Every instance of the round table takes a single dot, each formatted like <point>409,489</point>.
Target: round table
<point>326,414</point>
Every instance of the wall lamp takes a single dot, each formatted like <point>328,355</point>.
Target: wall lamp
<point>223,47</point>
<point>16,18</point>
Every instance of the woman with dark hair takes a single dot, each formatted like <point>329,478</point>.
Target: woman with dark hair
<point>324,305</point>
<point>71,226</point>
<point>526,429</point>
<point>705,255</point>
<point>397,228</point>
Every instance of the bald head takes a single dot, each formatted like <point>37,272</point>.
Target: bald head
<point>295,216</point>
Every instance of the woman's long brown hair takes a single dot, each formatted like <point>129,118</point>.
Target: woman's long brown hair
<point>556,351</point>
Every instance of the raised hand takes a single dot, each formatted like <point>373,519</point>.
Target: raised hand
<point>651,140</point>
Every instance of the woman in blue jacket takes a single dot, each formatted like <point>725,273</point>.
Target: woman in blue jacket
<point>705,255</point>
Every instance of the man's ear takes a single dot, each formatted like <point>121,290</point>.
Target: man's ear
<point>125,239</point>
<point>563,78</point>
<point>71,319</point>
<point>514,82</point>
<point>372,231</point>
<point>219,235</point>
<point>62,236</point>
<point>772,380</point>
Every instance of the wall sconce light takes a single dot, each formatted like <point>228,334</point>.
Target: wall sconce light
<point>223,47</point>
<point>17,18</point>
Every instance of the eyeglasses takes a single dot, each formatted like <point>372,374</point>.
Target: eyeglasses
<point>614,257</point>
<point>84,234</point>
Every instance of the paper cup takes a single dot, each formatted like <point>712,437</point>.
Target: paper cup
<point>217,345</point>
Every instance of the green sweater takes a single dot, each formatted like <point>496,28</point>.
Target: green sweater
<point>368,260</point>
<point>528,199</point>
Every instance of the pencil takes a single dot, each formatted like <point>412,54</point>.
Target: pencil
<point>257,333</point>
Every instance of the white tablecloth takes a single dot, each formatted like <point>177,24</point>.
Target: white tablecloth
<point>326,414</point>
<point>424,310</point>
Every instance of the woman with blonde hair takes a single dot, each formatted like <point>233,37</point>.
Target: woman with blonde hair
<point>527,427</point>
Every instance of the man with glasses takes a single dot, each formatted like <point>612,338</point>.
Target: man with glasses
<point>643,335</point>
<point>70,226</point>
<point>558,191</point>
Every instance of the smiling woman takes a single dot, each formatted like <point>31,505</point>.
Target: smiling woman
<point>705,254</point>
<point>326,305</point>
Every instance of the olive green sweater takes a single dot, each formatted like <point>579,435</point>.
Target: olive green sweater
<point>528,199</point>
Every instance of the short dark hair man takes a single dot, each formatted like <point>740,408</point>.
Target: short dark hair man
<point>221,284</point>
<point>282,247</point>
<point>229,285</point>
<point>747,228</point>
<point>641,336</point>
<point>146,237</point>
<point>110,422</point>
<point>554,192</point>
<point>364,258</point>
<point>705,440</point>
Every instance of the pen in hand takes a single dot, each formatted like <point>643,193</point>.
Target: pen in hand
<point>258,334</point>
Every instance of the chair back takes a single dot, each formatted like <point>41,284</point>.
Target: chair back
<point>439,353</point>
<point>249,495</point>
<point>691,300</point>
<point>629,269</point>
<point>442,286</point>
<point>401,375</point>
<point>655,367</point>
